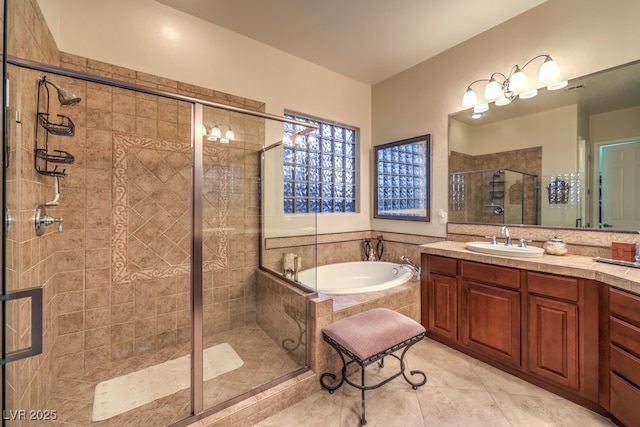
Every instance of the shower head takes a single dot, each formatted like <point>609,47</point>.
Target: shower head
<point>66,98</point>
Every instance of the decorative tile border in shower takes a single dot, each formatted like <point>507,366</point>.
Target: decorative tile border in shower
<point>155,243</point>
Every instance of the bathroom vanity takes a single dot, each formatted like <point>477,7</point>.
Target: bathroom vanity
<point>567,324</point>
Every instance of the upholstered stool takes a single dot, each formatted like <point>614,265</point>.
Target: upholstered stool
<point>368,337</point>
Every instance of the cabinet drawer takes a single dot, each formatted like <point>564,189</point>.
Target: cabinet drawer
<point>624,305</point>
<point>443,265</point>
<point>625,335</point>
<point>492,274</point>
<point>625,364</point>
<point>554,286</point>
<point>625,401</point>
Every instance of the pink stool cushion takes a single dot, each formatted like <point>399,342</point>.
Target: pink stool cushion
<point>373,331</point>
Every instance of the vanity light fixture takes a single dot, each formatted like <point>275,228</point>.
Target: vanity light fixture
<point>503,89</point>
<point>214,133</point>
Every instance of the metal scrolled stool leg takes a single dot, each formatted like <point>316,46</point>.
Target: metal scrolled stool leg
<point>369,337</point>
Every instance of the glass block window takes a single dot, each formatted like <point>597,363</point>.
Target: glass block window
<point>319,167</point>
<point>402,185</point>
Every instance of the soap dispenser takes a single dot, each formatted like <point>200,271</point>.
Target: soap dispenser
<point>555,246</point>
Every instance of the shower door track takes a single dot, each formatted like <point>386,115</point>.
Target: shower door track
<point>197,405</point>
<point>25,63</point>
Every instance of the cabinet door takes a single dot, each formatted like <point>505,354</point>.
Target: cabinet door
<point>491,321</point>
<point>553,340</point>
<point>443,306</point>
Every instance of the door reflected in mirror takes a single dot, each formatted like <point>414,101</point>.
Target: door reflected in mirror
<point>402,179</point>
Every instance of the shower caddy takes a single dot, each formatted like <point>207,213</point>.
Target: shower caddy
<point>62,126</point>
<point>43,157</point>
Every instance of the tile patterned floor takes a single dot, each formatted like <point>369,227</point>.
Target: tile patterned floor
<point>460,391</point>
<point>263,361</point>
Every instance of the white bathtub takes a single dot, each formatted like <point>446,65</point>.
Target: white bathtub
<point>355,277</point>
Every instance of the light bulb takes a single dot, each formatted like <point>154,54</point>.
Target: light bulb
<point>476,116</point>
<point>528,94</point>
<point>558,85</point>
<point>481,108</point>
<point>549,71</point>
<point>503,101</point>
<point>215,132</point>
<point>470,99</point>
<point>493,90</point>
<point>224,141</point>
<point>229,134</point>
<point>518,81</point>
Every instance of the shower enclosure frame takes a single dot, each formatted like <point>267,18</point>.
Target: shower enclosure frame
<point>196,275</point>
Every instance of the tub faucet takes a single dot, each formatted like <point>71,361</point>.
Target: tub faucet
<point>507,235</point>
<point>411,266</point>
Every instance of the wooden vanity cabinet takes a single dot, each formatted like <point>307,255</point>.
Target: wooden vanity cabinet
<point>441,296</point>
<point>491,311</point>
<point>553,334</point>
<point>624,357</point>
<point>539,326</point>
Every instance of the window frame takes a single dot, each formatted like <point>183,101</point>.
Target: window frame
<point>427,179</point>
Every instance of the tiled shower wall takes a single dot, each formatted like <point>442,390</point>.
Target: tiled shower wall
<point>116,280</point>
<point>132,189</point>
<point>528,160</point>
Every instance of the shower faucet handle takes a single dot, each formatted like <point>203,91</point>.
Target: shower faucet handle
<point>41,220</point>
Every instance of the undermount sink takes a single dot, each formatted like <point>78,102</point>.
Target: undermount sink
<point>500,249</point>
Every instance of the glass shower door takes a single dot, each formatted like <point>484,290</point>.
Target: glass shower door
<point>115,278</point>
<point>252,333</point>
<point>21,312</point>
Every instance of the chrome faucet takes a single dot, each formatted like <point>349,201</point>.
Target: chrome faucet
<point>507,235</point>
<point>411,266</point>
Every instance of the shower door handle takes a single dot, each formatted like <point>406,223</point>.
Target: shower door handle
<point>36,323</point>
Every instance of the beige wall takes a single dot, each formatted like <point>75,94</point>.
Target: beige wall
<point>147,36</point>
<point>615,126</point>
<point>583,39</point>
<point>154,38</point>
<point>555,131</point>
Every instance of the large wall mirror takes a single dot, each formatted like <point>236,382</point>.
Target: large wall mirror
<point>566,158</point>
<point>402,179</point>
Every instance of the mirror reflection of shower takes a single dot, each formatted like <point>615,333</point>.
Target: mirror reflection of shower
<point>498,196</point>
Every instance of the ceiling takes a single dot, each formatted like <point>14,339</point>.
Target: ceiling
<point>366,40</point>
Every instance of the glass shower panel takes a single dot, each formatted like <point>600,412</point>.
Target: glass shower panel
<point>14,326</point>
<point>288,241</point>
<point>115,276</point>
<point>250,337</point>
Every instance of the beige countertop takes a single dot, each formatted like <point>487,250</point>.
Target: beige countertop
<point>569,265</point>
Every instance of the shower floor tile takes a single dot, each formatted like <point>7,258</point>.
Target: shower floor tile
<point>264,360</point>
